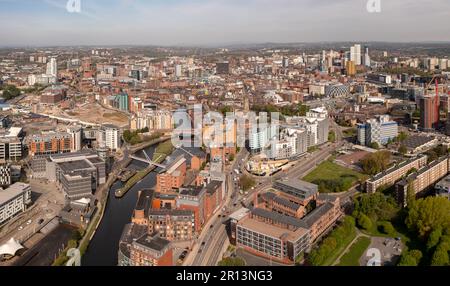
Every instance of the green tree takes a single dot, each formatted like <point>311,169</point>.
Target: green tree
<point>387,228</point>
<point>10,92</point>
<point>440,257</point>
<point>229,262</point>
<point>410,258</point>
<point>402,137</point>
<point>332,137</point>
<point>374,145</point>
<point>434,238</point>
<point>403,150</point>
<point>364,222</point>
<point>427,215</point>
<point>376,162</point>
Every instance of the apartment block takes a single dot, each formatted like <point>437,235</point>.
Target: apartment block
<point>172,177</point>
<point>14,200</point>
<point>394,174</point>
<point>422,180</point>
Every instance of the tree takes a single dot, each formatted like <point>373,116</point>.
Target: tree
<point>376,162</point>
<point>427,215</point>
<point>228,262</point>
<point>10,92</point>
<point>440,257</point>
<point>410,258</point>
<point>403,150</point>
<point>332,137</point>
<point>434,238</point>
<point>387,228</point>
<point>402,137</point>
<point>377,206</point>
<point>247,182</point>
<point>364,222</point>
<point>374,145</point>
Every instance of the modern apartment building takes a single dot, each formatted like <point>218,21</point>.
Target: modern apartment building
<point>151,250</point>
<point>153,120</point>
<point>5,175</point>
<point>173,225</point>
<point>379,130</point>
<point>173,176</point>
<point>14,200</point>
<point>285,221</point>
<point>48,143</point>
<point>394,174</point>
<point>11,144</point>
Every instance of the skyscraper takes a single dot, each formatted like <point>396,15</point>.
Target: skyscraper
<point>355,54</point>
<point>429,115</point>
<point>52,67</point>
<point>366,58</point>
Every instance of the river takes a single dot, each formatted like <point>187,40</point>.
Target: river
<point>103,248</point>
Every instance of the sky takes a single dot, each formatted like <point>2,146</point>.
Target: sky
<point>220,22</point>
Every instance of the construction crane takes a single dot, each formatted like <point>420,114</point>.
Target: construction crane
<point>435,80</point>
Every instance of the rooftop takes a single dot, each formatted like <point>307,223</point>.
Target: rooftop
<point>153,242</point>
<point>12,192</point>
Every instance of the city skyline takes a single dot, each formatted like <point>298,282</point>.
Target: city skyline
<point>219,22</point>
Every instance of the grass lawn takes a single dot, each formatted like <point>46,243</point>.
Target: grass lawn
<point>351,258</point>
<point>330,171</point>
<point>332,258</point>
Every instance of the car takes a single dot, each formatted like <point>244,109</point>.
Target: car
<point>203,243</point>
<point>20,228</point>
<point>29,222</point>
<point>40,221</point>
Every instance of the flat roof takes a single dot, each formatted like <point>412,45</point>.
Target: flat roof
<point>416,141</point>
<point>153,242</point>
<point>12,192</point>
<point>272,230</point>
<point>300,186</point>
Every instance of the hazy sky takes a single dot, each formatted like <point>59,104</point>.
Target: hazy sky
<point>190,22</point>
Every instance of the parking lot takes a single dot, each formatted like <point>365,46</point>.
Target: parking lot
<point>389,250</point>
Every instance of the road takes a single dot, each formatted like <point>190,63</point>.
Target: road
<point>208,247</point>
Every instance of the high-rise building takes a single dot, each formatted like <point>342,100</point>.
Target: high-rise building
<point>109,136</point>
<point>76,133</point>
<point>366,58</point>
<point>355,54</point>
<point>429,114</point>
<point>223,67</point>
<point>52,67</point>
<point>351,68</point>
<point>178,71</point>
<point>379,130</point>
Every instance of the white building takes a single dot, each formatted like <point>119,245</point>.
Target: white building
<point>355,54</point>
<point>76,133</point>
<point>52,68</point>
<point>379,130</point>
<point>14,200</point>
<point>5,175</point>
<point>109,136</point>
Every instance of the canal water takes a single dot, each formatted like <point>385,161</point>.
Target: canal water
<point>103,248</point>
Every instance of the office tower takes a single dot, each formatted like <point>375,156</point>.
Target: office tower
<point>429,115</point>
<point>112,136</point>
<point>285,62</point>
<point>178,71</point>
<point>351,68</point>
<point>355,54</point>
<point>366,57</point>
<point>75,132</point>
<point>52,67</point>
<point>223,67</point>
